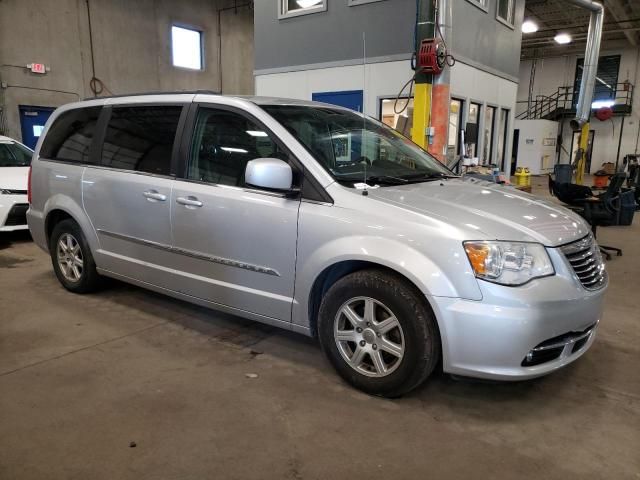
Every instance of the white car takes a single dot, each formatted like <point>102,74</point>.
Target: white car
<point>15,159</point>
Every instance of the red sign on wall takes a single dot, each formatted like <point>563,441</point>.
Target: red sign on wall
<point>38,68</point>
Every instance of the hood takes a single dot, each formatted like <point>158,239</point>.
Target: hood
<point>14,178</point>
<point>488,211</point>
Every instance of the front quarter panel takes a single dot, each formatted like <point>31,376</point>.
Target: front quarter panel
<point>420,249</point>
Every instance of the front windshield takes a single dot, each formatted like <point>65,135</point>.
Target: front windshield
<point>14,155</point>
<point>350,146</point>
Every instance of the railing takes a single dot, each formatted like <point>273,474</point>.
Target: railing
<point>564,101</point>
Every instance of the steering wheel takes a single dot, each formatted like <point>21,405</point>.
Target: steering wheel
<point>364,159</point>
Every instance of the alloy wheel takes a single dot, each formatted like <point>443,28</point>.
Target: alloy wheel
<point>69,255</point>
<point>369,337</point>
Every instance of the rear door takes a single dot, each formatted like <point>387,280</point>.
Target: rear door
<point>238,244</point>
<point>127,196</point>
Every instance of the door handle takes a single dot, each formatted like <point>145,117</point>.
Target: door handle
<point>154,195</point>
<point>189,201</point>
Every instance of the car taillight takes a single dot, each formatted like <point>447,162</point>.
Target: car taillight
<point>29,187</point>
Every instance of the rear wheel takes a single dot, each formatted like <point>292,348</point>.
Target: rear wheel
<point>71,257</point>
<point>378,332</point>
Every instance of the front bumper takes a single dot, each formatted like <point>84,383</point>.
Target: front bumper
<point>13,209</point>
<point>492,337</point>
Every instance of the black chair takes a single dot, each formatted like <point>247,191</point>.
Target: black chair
<point>605,210</point>
<point>602,210</point>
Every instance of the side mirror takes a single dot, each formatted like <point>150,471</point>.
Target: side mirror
<point>269,173</point>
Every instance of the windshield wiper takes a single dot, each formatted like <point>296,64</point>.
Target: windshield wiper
<point>426,177</point>
<point>388,179</point>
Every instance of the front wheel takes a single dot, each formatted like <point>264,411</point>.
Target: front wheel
<point>378,332</point>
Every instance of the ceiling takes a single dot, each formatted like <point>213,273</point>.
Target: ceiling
<point>621,26</point>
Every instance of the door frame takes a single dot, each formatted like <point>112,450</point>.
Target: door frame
<point>25,108</point>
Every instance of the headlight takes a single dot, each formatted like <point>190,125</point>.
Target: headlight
<point>508,263</point>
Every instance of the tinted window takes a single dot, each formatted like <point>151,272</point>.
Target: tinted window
<point>69,138</point>
<point>222,145</point>
<point>14,155</point>
<point>141,138</point>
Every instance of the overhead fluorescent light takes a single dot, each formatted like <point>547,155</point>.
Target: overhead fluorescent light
<point>308,3</point>
<point>234,150</point>
<point>529,26</point>
<point>562,38</point>
<point>257,133</point>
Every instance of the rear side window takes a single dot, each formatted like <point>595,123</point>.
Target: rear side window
<point>141,138</point>
<point>69,138</point>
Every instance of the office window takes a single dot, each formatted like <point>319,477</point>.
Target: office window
<point>292,8</point>
<point>482,4</point>
<point>605,89</point>
<point>186,47</point>
<point>141,138</point>
<point>489,131</point>
<point>502,138</point>
<point>506,11</point>
<point>402,121</point>
<point>471,130</point>
<point>70,135</point>
<point>455,123</point>
<point>223,143</point>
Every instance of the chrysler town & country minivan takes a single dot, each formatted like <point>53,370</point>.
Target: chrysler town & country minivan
<point>317,219</point>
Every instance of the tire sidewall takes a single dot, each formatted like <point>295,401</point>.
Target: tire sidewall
<point>417,323</point>
<point>71,227</point>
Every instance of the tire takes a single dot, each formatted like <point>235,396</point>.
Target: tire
<point>384,370</point>
<point>83,278</point>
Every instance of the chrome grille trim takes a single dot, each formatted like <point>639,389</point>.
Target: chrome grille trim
<point>586,262</point>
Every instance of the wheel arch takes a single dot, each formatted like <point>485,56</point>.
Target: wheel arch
<point>60,207</point>
<point>334,272</point>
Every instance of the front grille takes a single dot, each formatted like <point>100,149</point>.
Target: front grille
<point>556,347</point>
<point>17,215</point>
<point>586,261</point>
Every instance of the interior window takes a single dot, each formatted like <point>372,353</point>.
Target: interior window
<point>69,138</point>
<point>141,138</point>
<point>223,143</point>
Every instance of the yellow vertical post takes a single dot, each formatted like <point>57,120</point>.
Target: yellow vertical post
<point>421,113</point>
<point>584,144</point>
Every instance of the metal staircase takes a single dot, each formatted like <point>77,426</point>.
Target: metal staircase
<point>562,103</point>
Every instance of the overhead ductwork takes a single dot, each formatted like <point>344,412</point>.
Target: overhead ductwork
<point>591,54</point>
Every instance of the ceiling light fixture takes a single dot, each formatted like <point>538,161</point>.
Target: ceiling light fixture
<point>562,38</point>
<point>529,26</point>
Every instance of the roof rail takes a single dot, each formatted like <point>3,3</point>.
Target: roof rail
<point>138,94</point>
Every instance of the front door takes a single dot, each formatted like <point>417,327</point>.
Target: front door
<point>128,197</point>
<point>238,244</point>
<point>32,120</point>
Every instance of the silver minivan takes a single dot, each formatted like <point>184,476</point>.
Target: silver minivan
<point>317,219</point>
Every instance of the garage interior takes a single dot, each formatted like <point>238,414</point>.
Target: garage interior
<point>127,383</point>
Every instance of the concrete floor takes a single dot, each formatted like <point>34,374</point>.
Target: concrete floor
<point>81,377</point>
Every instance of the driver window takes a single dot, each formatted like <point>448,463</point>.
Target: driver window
<point>223,143</point>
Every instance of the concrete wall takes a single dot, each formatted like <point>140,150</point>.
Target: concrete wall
<point>132,49</point>
<point>554,72</point>
<point>334,37</point>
